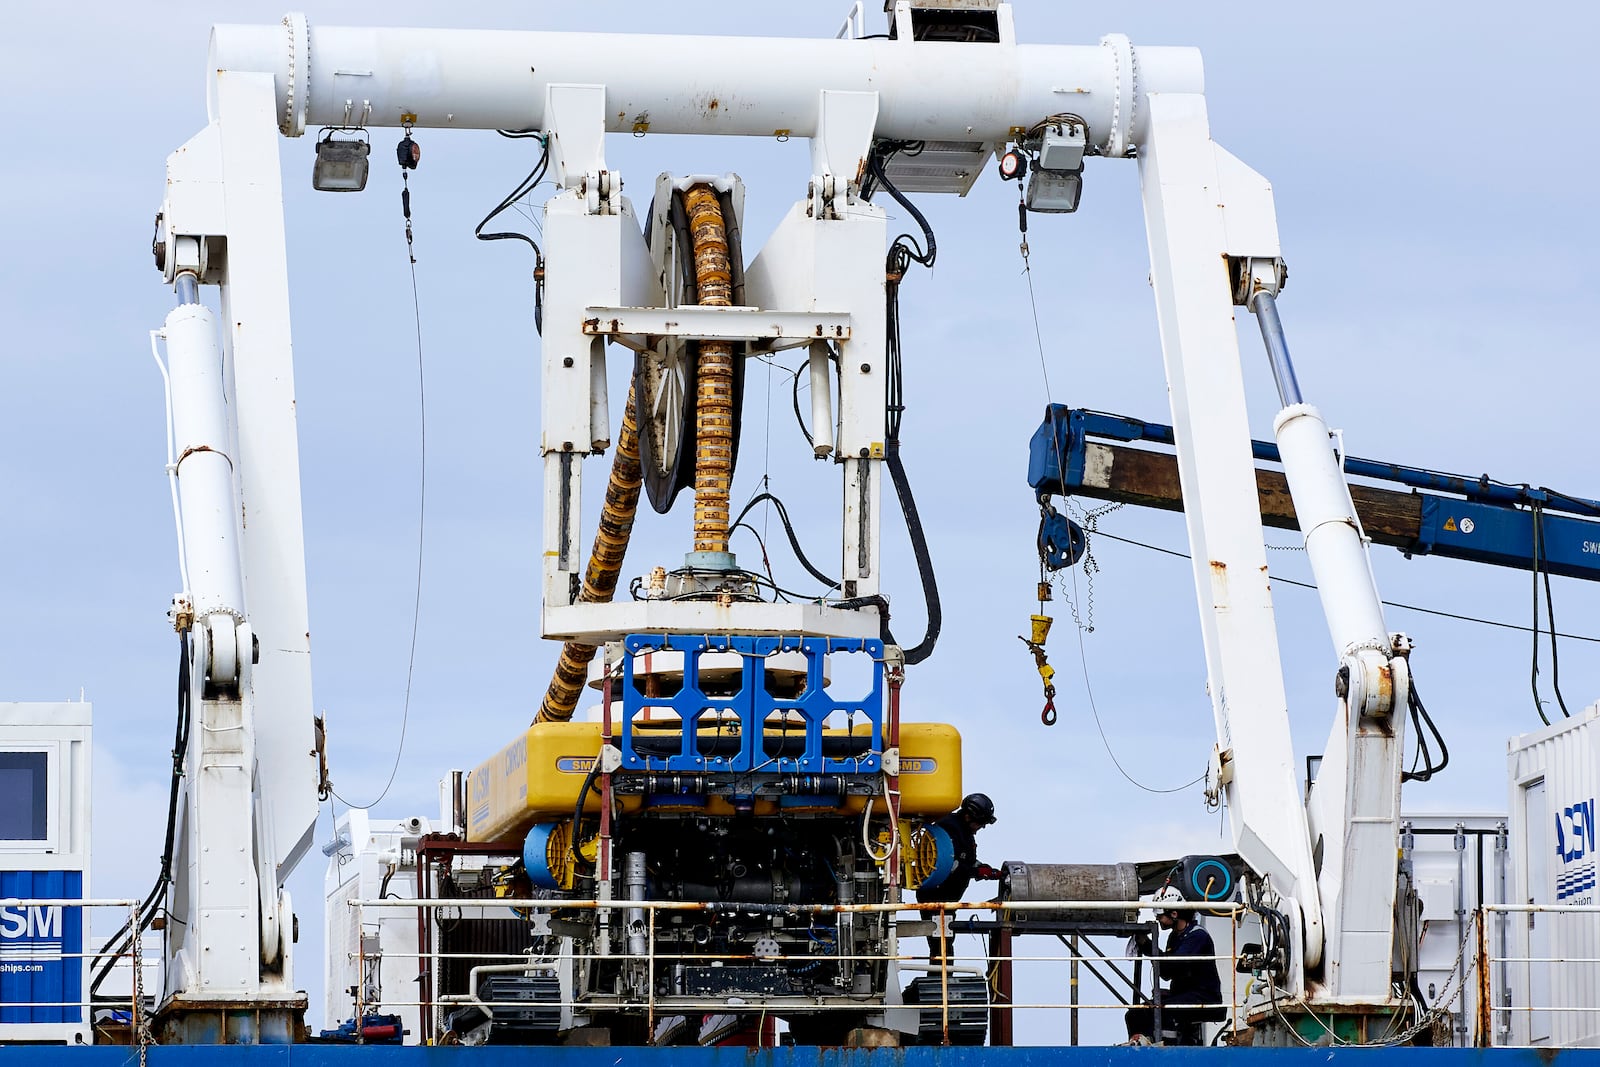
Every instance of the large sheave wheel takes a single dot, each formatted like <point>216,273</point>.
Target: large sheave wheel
<point>665,379</point>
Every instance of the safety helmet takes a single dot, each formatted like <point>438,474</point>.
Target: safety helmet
<point>979,807</point>
<point>1170,899</point>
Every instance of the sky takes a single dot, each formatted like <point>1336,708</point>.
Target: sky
<point>1431,165</point>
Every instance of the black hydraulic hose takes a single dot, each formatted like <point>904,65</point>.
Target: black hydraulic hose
<point>903,251</point>
<point>122,940</point>
<point>1424,727</point>
<point>878,601</point>
<point>788,529</point>
<point>583,794</point>
<point>1533,679</point>
<point>919,547</point>
<point>1550,616</point>
<point>794,393</point>
<point>523,188</point>
<point>875,161</point>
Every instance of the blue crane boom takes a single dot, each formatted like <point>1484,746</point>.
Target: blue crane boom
<point>1077,452</point>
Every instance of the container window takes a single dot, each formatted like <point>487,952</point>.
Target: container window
<point>24,796</point>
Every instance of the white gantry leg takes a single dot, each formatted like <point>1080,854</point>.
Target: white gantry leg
<point>1201,207</point>
<point>250,798</point>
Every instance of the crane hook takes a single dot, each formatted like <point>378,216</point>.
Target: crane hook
<point>1047,673</point>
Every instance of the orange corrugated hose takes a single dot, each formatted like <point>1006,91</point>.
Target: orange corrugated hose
<point>713,456</point>
<point>605,564</point>
<point>713,461</point>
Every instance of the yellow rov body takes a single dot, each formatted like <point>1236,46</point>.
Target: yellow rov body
<point>538,776</point>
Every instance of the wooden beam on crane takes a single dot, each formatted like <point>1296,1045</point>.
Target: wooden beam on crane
<point>1150,479</point>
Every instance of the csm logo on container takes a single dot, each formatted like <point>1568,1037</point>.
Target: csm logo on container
<point>31,932</point>
<point>1575,842</point>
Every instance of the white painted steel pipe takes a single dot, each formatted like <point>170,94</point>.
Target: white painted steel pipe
<point>821,400</point>
<point>1333,538</point>
<point>743,86</point>
<point>204,472</point>
<point>599,402</point>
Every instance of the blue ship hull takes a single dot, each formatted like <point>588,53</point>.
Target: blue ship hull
<point>521,1056</point>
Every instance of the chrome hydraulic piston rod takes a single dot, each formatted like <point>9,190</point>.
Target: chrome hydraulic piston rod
<point>1265,306</point>
<point>1334,543</point>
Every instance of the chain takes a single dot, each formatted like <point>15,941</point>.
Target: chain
<point>141,1025</point>
<point>1424,1022</point>
<point>1446,995</point>
<point>1091,566</point>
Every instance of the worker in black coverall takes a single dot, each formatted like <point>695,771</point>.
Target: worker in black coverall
<point>1193,981</point>
<point>976,812</point>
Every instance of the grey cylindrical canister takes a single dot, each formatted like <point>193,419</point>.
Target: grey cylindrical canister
<point>458,803</point>
<point>1070,881</point>
<point>634,880</point>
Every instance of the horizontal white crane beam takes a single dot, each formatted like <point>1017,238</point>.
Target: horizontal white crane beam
<point>638,328</point>
<point>741,86</point>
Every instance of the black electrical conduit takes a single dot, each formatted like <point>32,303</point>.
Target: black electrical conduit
<point>902,253</point>
<point>121,942</point>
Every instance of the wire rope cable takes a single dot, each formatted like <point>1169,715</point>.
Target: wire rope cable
<point>422,526</point>
<point>1094,710</point>
<point>1083,652</point>
<point>172,456</point>
<point>1401,605</point>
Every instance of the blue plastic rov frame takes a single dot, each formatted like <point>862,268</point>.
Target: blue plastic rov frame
<point>738,745</point>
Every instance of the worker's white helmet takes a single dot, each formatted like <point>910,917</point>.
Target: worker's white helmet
<point>1166,899</point>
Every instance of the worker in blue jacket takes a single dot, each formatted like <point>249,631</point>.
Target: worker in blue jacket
<point>962,826</point>
<point>1188,964</point>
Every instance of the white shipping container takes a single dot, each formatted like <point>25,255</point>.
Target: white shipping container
<point>44,855</point>
<point>368,860</point>
<point>1458,864</point>
<point>1549,987</point>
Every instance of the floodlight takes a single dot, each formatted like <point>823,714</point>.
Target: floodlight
<point>341,165</point>
<point>1054,191</point>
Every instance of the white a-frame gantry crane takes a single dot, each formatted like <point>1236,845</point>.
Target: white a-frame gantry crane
<point>250,785</point>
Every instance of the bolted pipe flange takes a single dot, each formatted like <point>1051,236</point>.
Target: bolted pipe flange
<point>297,83</point>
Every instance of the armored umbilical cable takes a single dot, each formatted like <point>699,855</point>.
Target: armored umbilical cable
<point>713,459</point>
<point>605,564</point>
<point>713,456</point>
